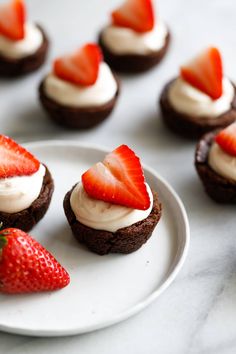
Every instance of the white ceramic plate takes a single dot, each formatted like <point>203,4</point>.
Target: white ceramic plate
<point>104,289</point>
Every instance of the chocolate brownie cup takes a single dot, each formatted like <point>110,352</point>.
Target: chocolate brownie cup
<point>82,95</point>
<point>125,240</point>
<point>136,40</point>
<point>76,117</point>
<point>113,209</point>
<point>220,188</point>
<point>28,218</point>
<point>190,126</point>
<point>13,67</point>
<point>133,63</point>
<point>26,186</point>
<point>201,98</point>
<point>23,45</point>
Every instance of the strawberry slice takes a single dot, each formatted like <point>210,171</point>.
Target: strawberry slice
<point>26,266</point>
<point>227,139</point>
<point>205,72</point>
<point>135,14</point>
<point>15,160</point>
<point>80,68</point>
<point>118,180</point>
<point>12,19</point>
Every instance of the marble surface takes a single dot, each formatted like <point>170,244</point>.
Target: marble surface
<point>197,313</point>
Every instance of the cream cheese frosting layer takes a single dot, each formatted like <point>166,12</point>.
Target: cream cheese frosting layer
<point>69,94</point>
<point>28,45</point>
<point>101,215</point>
<point>221,162</point>
<point>121,40</point>
<point>18,193</point>
<point>191,101</point>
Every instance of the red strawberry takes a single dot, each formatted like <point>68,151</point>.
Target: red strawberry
<point>15,160</point>
<point>80,68</point>
<point>205,72</point>
<point>135,14</point>
<point>227,139</point>
<point>118,179</point>
<point>26,266</point>
<point>12,19</point>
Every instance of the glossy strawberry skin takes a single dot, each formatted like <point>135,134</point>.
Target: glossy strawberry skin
<point>205,72</point>
<point>81,67</point>
<point>26,266</point>
<point>227,139</point>
<point>15,160</point>
<point>135,14</point>
<point>118,180</point>
<point>12,19</point>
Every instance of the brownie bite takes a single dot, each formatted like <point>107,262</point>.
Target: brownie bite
<point>109,215</point>
<point>133,63</point>
<point>190,126</point>
<point>124,240</point>
<point>23,45</point>
<point>27,218</point>
<point>75,117</point>
<point>82,95</point>
<point>215,163</point>
<point>26,186</point>
<point>135,40</point>
<point>195,103</point>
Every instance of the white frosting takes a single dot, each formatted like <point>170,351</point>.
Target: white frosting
<point>101,215</point>
<point>221,162</point>
<point>24,47</point>
<point>70,94</point>
<point>191,101</point>
<point>18,193</point>
<point>121,40</point>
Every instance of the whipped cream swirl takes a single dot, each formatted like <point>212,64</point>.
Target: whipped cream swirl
<point>121,40</point>
<point>69,94</point>
<point>18,193</point>
<point>188,100</point>
<point>221,162</point>
<point>101,215</point>
<point>28,45</point>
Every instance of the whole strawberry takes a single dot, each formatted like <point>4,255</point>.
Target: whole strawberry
<point>26,266</point>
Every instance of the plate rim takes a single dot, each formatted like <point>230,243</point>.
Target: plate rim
<point>141,304</point>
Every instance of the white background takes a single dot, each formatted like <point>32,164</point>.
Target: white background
<point>197,313</point>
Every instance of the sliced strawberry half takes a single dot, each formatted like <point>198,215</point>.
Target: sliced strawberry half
<point>80,68</point>
<point>227,139</point>
<point>15,160</point>
<point>205,72</point>
<point>12,19</point>
<point>135,14</point>
<point>118,179</point>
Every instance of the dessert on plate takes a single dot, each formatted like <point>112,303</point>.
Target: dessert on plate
<point>215,161</point>
<point>201,98</point>
<point>81,91</point>
<point>136,39</point>
<point>23,44</point>
<point>112,209</point>
<point>26,186</point>
<point>26,266</point>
